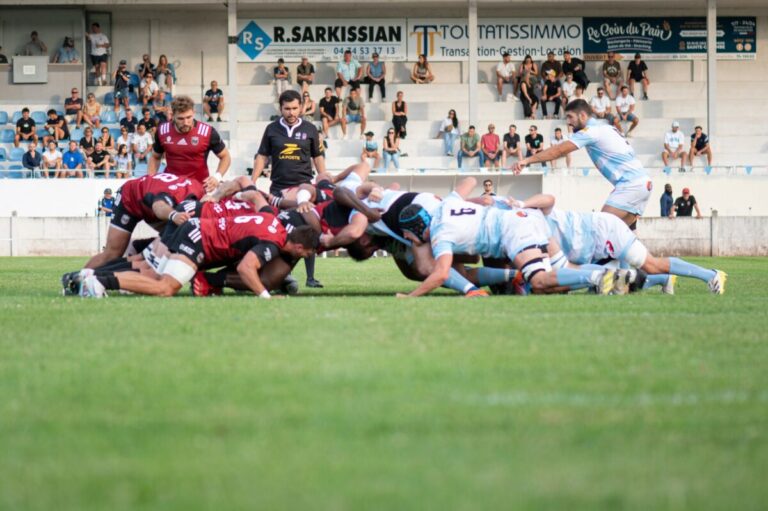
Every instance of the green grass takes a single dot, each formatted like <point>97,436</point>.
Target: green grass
<point>645,402</point>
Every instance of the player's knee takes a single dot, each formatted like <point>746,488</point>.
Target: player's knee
<point>168,287</point>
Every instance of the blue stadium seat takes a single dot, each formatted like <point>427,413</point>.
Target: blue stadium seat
<point>7,136</point>
<point>140,170</point>
<point>16,172</point>
<point>17,153</point>
<point>3,117</point>
<point>16,117</point>
<point>168,96</point>
<point>39,116</point>
<point>134,80</point>
<point>108,116</point>
<point>3,154</point>
<point>133,98</point>
<point>76,134</point>
<point>115,133</point>
<point>109,99</point>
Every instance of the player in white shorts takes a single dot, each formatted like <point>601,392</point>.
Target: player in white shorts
<point>613,156</point>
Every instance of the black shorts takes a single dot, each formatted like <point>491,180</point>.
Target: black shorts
<point>214,107</point>
<point>187,240</point>
<point>98,59</point>
<point>121,219</point>
<point>353,84</point>
<point>302,82</point>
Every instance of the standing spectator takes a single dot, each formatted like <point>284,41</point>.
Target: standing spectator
<point>107,140</point>
<point>637,71</point>
<point>557,140</point>
<point>534,142</point>
<point>371,150</point>
<point>142,145</point>
<point>529,68</point>
<point>129,122</point>
<point>73,107</point>
<point>123,162</point>
<point>422,71</point>
<point>551,64</point>
<point>308,107</point>
<point>353,110</point>
<point>67,54</point>
<point>700,146</point>
<point>35,47</point>
<point>375,75</point>
<point>99,53</point>
<point>25,128</point>
<point>305,74</point>
<point>149,123</point>
<point>164,74</point>
<point>505,73</point>
<point>528,97</point>
<point>348,72</point>
<point>666,201</point>
<point>612,74</point>
<point>490,145</point>
<point>551,91</point>
<point>52,160</point>
<point>213,102</point>
<point>32,160</point>
<point>73,162</point>
<point>87,142</point>
<point>125,138</point>
<point>674,145</point>
<point>469,147</point>
<point>330,113</point>
<point>391,149</point>
<point>107,203</point>
<point>146,66</point>
<point>512,146</point>
<point>92,111</point>
<point>148,89</point>
<point>450,130</point>
<point>575,66</point>
<point>282,77</point>
<point>161,107</point>
<point>569,88</point>
<point>100,161</point>
<point>488,188</point>
<point>601,107</point>
<point>56,126</point>
<point>400,115</point>
<point>625,110</point>
<point>685,205</point>
<point>121,78</point>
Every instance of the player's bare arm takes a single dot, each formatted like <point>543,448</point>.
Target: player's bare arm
<point>259,164</point>
<point>553,153</point>
<point>349,234</point>
<point>350,200</point>
<point>163,211</point>
<point>436,279</point>
<point>248,269</point>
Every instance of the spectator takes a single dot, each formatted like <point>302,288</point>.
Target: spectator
<point>700,146</point>
<point>569,88</point>
<point>32,160</point>
<point>391,149</point>
<point>529,68</point>
<point>107,203</point>
<point>551,91</point>
<point>575,66</point>
<point>282,77</point>
<point>557,140</point>
<point>371,150</point>
<point>450,131</point>
<point>3,58</point>
<point>164,74</point>
<point>148,89</point>
<point>469,147</point>
<point>305,74</point>
<point>625,110</point>
<point>73,162</point>
<point>685,205</point>
<point>52,160</point>
<point>353,110</point>
<point>348,72</point>
<point>637,71</point>
<point>149,123</point>
<point>400,115</point>
<point>376,74</point>
<point>125,138</point>
<point>490,145</point>
<point>422,71</point>
<point>35,47</point>
<point>308,107</point>
<point>512,146</point>
<point>612,75</point>
<point>488,188</point>
<point>87,142</point>
<point>99,53</point>
<point>73,107</point>
<point>505,73</point>
<point>528,97</point>
<point>67,54</point>
<point>213,102</point>
<point>100,161</point>
<point>142,144</point>
<point>601,107</point>
<point>579,94</point>
<point>330,113</point>
<point>146,66</point>
<point>129,121</point>
<point>551,64</point>
<point>122,78</point>
<point>25,128</point>
<point>666,201</point>
<point>161,107</point>
<point>534,142</point>
<point>674,145</point>
<point>56,126</point>
<point>107,140</point>
<point>123,162</point>
<point>92,111</point>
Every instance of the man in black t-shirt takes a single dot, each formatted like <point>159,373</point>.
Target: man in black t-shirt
<point>512,146</point>
<point>685,205</point>
<point>551,91</point>
<point>129,122</point>
<point>99,161</point>
<point>148,121</point>
<point>25,129</point>
<point>330,113</point>
<point>700,146</point>
<point>576,67</point>
<point>56,126</point>
<point>534,142</point>
<point>73,107</point>
<point>213,102</point>
<point>637,71</point>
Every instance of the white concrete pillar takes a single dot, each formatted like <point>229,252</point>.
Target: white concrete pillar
<point>472,89</point>
<point>711,68</point>
<point>232,101</point>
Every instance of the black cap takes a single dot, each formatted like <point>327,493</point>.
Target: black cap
<point>637,55</point>
<point>123,62</point>
<point>107,190</point>
<point>368,133</point>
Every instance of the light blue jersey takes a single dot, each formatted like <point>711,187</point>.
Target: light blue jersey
<point>575,233</point>
<point>461,227</point>
<point>610,152</point>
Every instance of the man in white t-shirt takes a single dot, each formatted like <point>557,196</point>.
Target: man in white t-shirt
<point>674,145</point>
<point>99,53</point>
<point>505,70</point>
<point>142,144</point>
<point>148,88</point>
<point>601,106</point>
<point>569,88</point>
<point>625,111</point>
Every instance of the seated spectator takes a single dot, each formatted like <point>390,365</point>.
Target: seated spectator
<point>107,140</point>
<point>391,149</point>
<point>99,53</point>
<point>674,145</point>
<point>348,72</point>
<point>161,107</point>
<point>25,128</point>
<point>505,73</point>
<point>73,108</point>
<point>308,107</point>
<point>512,146</point>
<point>637,71</point>
<point>129,121</point>
<point>469,147</point>
<point>52,160</point>
<point>123,162</point>
<point>551,91</point>
<point>164,74</point>
<point>305,74</point>
<point>534,142</point>
<point>353,110</point>
<point>450,131</point>
<point>107,203</point>
<point>125,138</point>
<point>32,160</point>
<point>612,75</point>
<point>330,113</point>
<point>529,68</point>
<point>73,162</point>
<point>122,79</point>
<point>100,161</point>
<point>666,201</point>
<point>56,127</point>
<point>488,188</point>
<point>579,94</point>
<point>35,47</point>
<point>3,58</point>
<point>490,145</point>
<point>575,66</point>
<point>685,205</point>
<point>371,150</point>
<point>400,115</point>
<point>149,123</point>
<point>213,102</point>
<point>551,64</point>
<point>92,111</point>
<point>625,111</point>
<point>87,142</point>
<point>557,140</point>
<point>375,74</point>
<point>422,71</point>
<point>700,146</point>
<point>148,89</point>
<point>528,97</point>
<point>142,145</point>
<point>282,77</point>
<point>146,66</point>
<point>569,89</point>
<point>67,54</point>
<point>601,106</point>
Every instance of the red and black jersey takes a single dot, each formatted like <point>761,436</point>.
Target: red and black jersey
<point>138,195</point>
<point>186,154</point>
<point>226,240</point>
<point>333,216</point>
<point>226,208</point>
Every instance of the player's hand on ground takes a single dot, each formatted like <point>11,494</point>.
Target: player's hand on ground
<point>403,295</point>
<point>305,207</point>
<point>210,183</point>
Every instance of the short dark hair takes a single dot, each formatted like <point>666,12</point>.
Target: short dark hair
<point>471,127</point>
<point>94,24</point>
<point>487,181</point>
<point>698,128</point>
<point>305,236</point>
<point>288,96</point>
<point>512,126</point>
<point>566,52</point>
<point>51,111</point>
<point>624,87</point>
<point>145,110</point>
<point>328,88</point>
<point>25,109</point>
<point>578,106</point>
<point>558,130</point>
<point>280,60</point>
<point>348,52</point>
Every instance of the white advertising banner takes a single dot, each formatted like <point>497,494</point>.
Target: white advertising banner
<point>444,39</point>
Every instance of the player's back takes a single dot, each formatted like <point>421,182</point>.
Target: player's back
<point>575,232</point>
<point>458,226</point>
<point>137,195</point>
<point>226,208</point>
<point>611,153</point>
<point>227,239</point>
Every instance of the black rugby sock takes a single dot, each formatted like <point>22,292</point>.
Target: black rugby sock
<point>309,264</point>
<point>217,279</point>
<point>108,280</point>
<point>119,264</point>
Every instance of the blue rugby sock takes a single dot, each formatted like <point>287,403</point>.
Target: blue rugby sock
<point>576,279</point>
<point>655,280</point>
<point>490,276</point>
<point>458,283</point>
<point>679,267</point>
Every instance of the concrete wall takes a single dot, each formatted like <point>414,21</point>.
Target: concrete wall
<point>51,24</point>
<point>61,79</point>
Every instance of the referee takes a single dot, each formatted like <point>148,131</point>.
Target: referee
<point>292,145</point>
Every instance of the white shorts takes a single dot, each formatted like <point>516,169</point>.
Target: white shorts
<point>631,197</point>
<point>613,239</point>
<point>523,232</point>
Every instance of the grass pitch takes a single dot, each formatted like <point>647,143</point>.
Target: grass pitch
<point>644,402</point>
